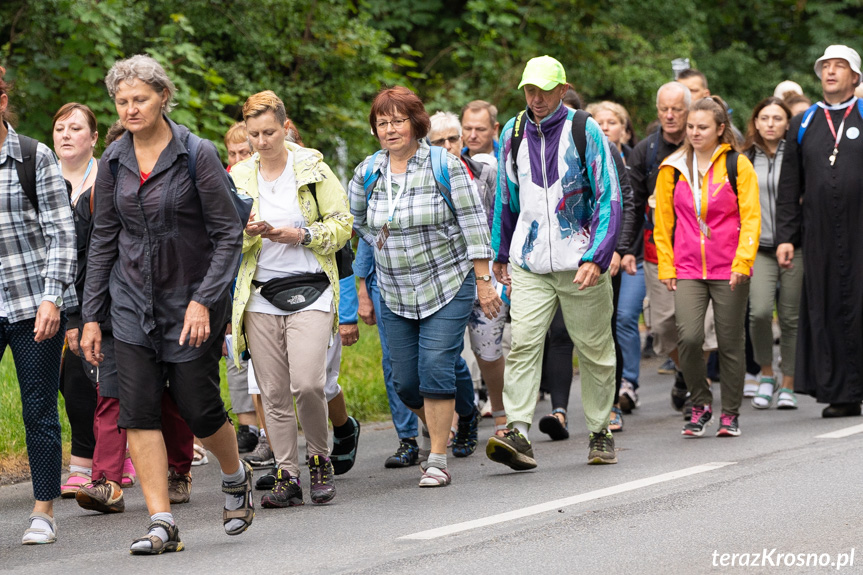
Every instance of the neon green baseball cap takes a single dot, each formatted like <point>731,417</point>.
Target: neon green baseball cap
<point>544,72</point>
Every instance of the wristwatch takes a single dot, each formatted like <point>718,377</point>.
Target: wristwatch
<point>58,301</point>
<point>485,278</point>
<point>307,237</point>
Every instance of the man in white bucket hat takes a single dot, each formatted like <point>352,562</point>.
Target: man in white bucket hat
<point>822,163</point>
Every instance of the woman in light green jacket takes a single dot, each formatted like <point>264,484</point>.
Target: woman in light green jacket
<point>287,293</point>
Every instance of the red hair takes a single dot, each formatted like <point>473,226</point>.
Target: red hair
<point>399,99</point>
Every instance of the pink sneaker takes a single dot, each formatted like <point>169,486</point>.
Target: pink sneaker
<point>130,478</point>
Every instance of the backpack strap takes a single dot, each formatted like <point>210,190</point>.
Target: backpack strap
<point>652,152</point>
<point>371,176</point>
<point>193,144</point>
<point>27,169</point>
<point>731,168</point>
<point>515,140</point>
<point>579,136</point>
<point>807,118</point>
<point>440,169</point>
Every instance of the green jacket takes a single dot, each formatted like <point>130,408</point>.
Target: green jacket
<point>330,228</point>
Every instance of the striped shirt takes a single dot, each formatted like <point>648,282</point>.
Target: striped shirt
<point>37,250</point>
<point>424,262</point>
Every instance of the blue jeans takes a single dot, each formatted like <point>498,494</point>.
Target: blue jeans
<point>38,368</point>
<point>632,291</point>
<point>404,420</point>
<point>426,353</point>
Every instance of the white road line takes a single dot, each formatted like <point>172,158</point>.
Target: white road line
<point>565,502</point>
<point>841,433</point>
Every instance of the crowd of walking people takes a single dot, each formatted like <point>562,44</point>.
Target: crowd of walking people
<point>485,256</point>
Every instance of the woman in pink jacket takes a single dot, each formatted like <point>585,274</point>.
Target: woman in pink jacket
<point>708,221</point>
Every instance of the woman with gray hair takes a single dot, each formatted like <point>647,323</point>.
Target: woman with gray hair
<point>163,250</point>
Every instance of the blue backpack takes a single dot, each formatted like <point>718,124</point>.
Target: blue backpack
<point>810,113</point>
<point>439,169</point>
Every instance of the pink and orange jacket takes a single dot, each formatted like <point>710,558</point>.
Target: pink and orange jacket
<point>733,220</point>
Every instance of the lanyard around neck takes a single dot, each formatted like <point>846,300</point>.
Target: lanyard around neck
<point>392,204</point>
<point>837,135</point>
<point>84,181</point>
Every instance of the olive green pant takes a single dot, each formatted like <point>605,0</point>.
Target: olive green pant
<point>766,276</point>
<point>729,315</point>
<point>587,315</point>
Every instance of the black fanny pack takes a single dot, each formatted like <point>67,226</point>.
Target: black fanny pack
<point>295,292</point>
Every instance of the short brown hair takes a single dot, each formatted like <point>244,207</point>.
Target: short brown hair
<point>693,73</point>
<point>237,134</point>
<point>264,102</point>
<point>400,99</point>
<point>66,110</point>
<point>479,106</point>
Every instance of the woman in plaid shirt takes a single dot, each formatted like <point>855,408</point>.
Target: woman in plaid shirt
<point>424,244</point>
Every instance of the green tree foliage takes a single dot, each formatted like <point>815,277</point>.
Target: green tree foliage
<point>327,58</point>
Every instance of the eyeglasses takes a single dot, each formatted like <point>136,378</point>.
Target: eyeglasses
<point>397,124</point>
<point>451,140</point>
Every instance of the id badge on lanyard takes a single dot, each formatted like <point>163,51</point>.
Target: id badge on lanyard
<point>384,234</point>
<point>696,197</point>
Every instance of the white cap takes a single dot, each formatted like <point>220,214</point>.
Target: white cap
<point>843,52</point>
<point>786,86</point>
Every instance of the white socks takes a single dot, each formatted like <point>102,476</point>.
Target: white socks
<point>42,530</point>
<point>521,427</point>
<point>234,502</point>
<point>157,530</point>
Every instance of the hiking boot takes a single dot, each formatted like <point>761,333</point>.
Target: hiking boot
<point>678,392</point>
<point>322,486</point>
<point>247,439</point>
<point>700,419</point>
<point>601,450</point>
<point>101,496</point>
<point>465,440</point>
<point>628,397</point>
<point>405,456</point>
<point>729,425</point>
<point>344,453</point>
<point>285,493</point>
<point>179,487</point>
<point>262,456</point>
<point>513,450</point>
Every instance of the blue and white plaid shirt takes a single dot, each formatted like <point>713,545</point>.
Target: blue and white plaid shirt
<point>37,250</point>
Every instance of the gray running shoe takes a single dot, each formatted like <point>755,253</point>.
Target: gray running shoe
<point>262,456</point>
<point>513,450</point>
<point>601,448</point>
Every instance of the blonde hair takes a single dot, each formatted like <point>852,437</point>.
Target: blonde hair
<point>237,134</point>
<point>613,107</point>
<point>264,102</point>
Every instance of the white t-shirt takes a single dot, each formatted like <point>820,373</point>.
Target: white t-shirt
<point>279,205</point>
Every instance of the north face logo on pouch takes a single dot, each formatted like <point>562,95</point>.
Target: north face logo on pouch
<point>297,299</point>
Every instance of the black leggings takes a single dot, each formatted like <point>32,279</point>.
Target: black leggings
<point>80,396</point>
<point>557,356</point>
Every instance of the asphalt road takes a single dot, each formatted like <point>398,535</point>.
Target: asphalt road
<point>672,505</point>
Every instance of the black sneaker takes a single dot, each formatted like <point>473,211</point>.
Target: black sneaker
<point>247,440</point>
<point>647,351</point>
<point>322,486</point>
<point>729,425</point>
<point>466,440</point>
<point>344,453</point>
<point>601,450</point>
<point>513,450</point>
<point>266,482</point>
<point>678,392</point>
<point>285,493</point>
<point>405,456</point>
<point>700,419</point>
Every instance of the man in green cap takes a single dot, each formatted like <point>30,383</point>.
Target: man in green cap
<point>557,219</point>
